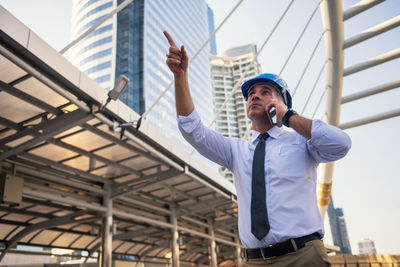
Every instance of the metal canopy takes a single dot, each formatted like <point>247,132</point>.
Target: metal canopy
<point>72,161</point>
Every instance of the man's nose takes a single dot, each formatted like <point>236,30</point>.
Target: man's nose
<point>254,96</point>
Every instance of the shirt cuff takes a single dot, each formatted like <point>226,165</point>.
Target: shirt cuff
<point>189,123</point>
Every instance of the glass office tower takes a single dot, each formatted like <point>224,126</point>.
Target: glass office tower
<point>132,43</point>
<point>211,29</point>
<point>338,228</point>
<point>95,54</point>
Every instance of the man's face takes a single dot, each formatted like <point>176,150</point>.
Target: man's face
<point>258,97</point>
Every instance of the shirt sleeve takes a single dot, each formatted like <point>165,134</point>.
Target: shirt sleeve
<point>207,142</point>
<point>327,143</point>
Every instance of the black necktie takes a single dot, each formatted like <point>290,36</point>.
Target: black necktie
<point>259,216</point>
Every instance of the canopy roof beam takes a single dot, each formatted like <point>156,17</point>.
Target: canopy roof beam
<point>67,219</point>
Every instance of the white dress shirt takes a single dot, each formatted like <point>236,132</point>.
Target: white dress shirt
<point>290,170</point>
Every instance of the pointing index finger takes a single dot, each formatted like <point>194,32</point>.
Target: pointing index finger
<point>169,38</point>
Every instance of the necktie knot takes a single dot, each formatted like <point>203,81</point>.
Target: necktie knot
<point>263,136</point>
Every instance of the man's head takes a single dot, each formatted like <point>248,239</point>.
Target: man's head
<point>259,96</point>
<point>269,78</point>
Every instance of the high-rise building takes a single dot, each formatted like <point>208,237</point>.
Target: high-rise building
<point>95,55</point>
<point>132,43</point>
<point>366,246</point>
<point>211,28</point>
<point>338,228</point>
<point>227,70</point>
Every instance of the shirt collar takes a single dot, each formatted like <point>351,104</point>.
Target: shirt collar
<point>274,132</point>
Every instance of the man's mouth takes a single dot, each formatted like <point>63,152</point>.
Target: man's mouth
<point>255,105</point>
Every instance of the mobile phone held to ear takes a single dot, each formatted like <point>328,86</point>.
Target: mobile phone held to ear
<point>272,115</point>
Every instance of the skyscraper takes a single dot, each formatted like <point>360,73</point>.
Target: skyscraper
<point>211,28</point>
<point>132,43</point>
<point>366,246</point>
<point>226,71</point>
<point>338,228</point>
<point>95,55</point>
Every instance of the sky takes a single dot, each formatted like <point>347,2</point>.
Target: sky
<point>366,182</point>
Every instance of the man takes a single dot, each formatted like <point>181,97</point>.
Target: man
<point>275,172</point>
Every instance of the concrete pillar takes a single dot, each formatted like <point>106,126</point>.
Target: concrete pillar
<point>175,239</point>
<point>213,245</point>
<point>106,237</point>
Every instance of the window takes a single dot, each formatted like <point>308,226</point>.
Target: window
<point>216,68</point>
<point>96,56</point>
<point>104,78</point>
<point>95,44</point>
<point>99,67</point>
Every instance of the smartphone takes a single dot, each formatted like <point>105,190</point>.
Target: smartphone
<point>272,115</point>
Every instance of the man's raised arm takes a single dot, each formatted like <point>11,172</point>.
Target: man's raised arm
<point>178,61</point>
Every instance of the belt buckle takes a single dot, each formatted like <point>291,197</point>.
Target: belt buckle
<point>263,256</point>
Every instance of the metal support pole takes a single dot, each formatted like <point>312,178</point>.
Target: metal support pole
<point>371,119</point>
<point>106,238</point>
<point>372,62</point>
<point>371,91</point>
<point>213,244</point>
<point>371,32</point>
<point>175,239</point>
<point>238,251</point>
<point>332,19</point>
<point>359,8</point>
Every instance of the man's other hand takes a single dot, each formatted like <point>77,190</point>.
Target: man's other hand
<point>177,59</point>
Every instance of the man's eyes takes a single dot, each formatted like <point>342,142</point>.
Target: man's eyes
<point>264,92</point>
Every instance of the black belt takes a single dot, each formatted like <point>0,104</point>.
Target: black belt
<point>280,248</point>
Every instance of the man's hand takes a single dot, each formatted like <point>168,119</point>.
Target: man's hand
<point>177,59</point>
<point>280,108</point>
<point>178,62</point>
<point>298,123</point>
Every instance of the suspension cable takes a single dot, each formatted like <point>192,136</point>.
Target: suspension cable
<point>242,75</point>
<point>308,64</point>
<point>276,25</point>
<point>298,39</point>
<point>248,130</point>
<point>319,102</point>
<point>314,86</point>
<point>144,115</point>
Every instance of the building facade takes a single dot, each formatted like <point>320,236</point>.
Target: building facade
<point>233,66</point>
<point>338,228</point>
<point>366,246</point>
<point>95,54</point>
<point>132,43</point>
<point>211,28</point>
